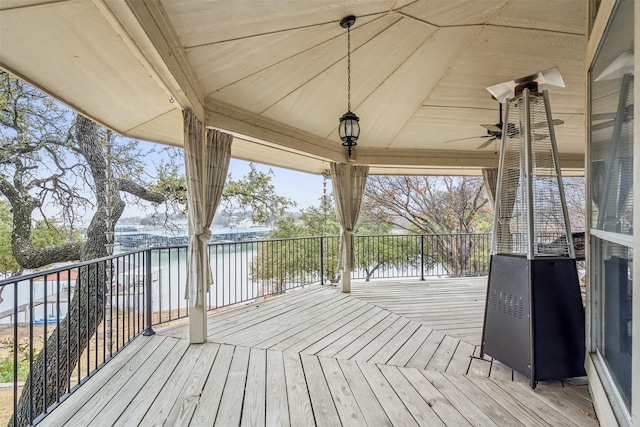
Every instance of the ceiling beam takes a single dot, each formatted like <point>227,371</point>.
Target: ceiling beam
<point>447,159</point>
<point>264,130</point>
<point>147,25</point>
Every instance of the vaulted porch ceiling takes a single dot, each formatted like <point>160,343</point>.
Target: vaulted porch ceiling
<point>274,72</point>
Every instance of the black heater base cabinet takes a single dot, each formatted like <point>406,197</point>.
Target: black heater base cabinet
<point>534,317</point>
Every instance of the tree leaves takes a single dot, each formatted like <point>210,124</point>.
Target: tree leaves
<point>256,193</point>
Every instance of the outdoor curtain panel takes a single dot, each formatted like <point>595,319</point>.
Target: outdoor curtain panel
<point>490,179</point>
<point>348,210</point>
<point>207,168</point>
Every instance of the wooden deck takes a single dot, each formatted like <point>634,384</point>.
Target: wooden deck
<point>452,306</point>
<point>320,357</point>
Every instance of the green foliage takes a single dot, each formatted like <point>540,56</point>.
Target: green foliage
<point>286,227</point>
<point>6,363</point>
<point>171,182</point>
<point>8,264</point>
<point>279,263</point>
<point>483,221</point>
<point>375,252</point>
<point>50,233</point>
<point>255,192</point>
<point>43,234</point>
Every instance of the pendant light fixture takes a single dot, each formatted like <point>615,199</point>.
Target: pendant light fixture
<point>349,128</point>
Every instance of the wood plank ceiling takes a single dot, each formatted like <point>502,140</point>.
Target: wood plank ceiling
<point>274,72</point>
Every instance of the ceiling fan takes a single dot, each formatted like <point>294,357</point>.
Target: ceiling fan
<point>494,131</point>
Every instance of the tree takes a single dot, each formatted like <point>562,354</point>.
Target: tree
<point>436,206</point>
<point>52,159</point>
<point>49,157</point>
<point>254,193</point>
<point>284,263</point>
<point>574,190</point>
<point>376,250</point>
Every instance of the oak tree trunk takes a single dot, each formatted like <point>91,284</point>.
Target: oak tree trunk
<point>50,375</point>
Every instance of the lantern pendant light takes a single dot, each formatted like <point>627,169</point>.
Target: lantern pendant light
<point>349,128</point>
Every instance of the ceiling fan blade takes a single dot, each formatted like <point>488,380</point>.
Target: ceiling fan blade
<point>538,125</point>
<point>486,143</point>
<point>492,128</point>
<point>603,125</point>
<point>603,116</point>
<point>464,139</point>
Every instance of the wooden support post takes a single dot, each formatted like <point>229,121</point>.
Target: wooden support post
<point>198,313</point>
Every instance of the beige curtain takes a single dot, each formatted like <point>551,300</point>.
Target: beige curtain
<point>509,187</point>
<point>490,179</point>
<point>206,167</point>
<point>348,210</point>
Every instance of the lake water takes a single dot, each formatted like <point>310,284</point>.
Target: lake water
<point>230,264</point>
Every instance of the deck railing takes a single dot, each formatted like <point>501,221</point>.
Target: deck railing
<point>90,311</point>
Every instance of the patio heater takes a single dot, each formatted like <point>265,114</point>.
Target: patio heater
<point>534,318</point>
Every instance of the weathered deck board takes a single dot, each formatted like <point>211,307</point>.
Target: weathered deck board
<point>355,331</point>
<point>277,408</point>
<point>397,341</point>
<point>443,355</point>
<point>410,347</point>
<point>137,408</point>
<point>253,412</point>
<point>425,353</point>
<point>480,366</point>
<point>483,401</point>
<point>297,331</point>
<point>300,411</point>
<point>207,409</point>
<point>440,404</point>
<point>102,405</point>
<point>318,357</point>
<point>463,404</point>
<point>372,410</point>
<point>365,339</point>
<point>177,378</point>
<point>453,306</point>
<point>324,409</point>
<point>318,338</point>
<point>376,345</point>
<point>345,402</point>
<point>515,407</point>
<point>244,317</point>
<point>348,327</point>
<point>188,397</point>
<point>560,398</point>
<point>415,404</point>
<point>393,406</point>
<point>230,410</point>
<point>551,414</point>
<point>461,359</point>
<point>115,372</point>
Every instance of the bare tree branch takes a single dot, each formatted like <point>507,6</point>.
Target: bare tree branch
<point>140,191</point>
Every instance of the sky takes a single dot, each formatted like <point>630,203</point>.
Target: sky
<point>303,188</point>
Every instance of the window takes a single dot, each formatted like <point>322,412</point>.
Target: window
<point>611,81</point>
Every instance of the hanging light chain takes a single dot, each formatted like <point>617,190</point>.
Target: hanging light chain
<point>108,196</point>
<point>349,68</point>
